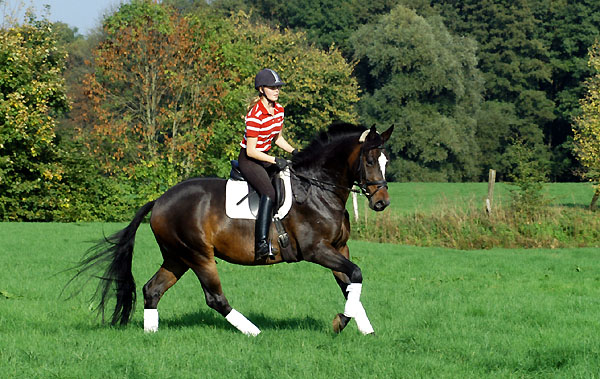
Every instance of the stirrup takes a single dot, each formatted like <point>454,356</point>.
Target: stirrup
<point>266,255</point>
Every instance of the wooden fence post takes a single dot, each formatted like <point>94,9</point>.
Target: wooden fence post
<point>490,197</point>
<point>355,206</point>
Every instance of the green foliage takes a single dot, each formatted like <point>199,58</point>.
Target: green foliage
<point>425,81</point>
<point>569,28</point>
<point>529,174</point>
<point>530,54</point>
<point>587,127</point>
<point>326,23</point>
<point>32,94</point>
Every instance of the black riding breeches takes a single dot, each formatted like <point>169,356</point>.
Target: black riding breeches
<point>258,174</point>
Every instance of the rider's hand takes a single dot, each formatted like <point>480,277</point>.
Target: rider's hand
<point>281,163</point>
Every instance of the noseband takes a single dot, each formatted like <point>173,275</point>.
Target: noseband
<point>363,183</point>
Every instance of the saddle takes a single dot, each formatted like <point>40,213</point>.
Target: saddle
<point>253,196</point>
<point>241,202</point>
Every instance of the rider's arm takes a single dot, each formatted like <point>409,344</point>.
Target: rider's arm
<point>282,143</point>
<point>253,153</point>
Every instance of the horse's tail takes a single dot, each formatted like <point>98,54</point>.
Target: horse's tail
<point>117,251</point>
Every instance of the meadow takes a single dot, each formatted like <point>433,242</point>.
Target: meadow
<point>437,312</point>
<point>453,215</point>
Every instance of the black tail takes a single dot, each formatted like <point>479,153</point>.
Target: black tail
<point>117,252</point>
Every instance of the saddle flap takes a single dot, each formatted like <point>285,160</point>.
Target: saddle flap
<point>279,191</point>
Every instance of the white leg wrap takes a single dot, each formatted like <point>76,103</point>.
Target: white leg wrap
<point>150,320</point>
<point>355,309</point>
<point>244,325</point>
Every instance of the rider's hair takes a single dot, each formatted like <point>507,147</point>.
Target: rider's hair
<point>253,102</point>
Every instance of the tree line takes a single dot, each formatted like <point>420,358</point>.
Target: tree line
<point>90,126</point>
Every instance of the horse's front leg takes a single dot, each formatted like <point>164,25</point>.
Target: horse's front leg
<point>340,320</point>
<point>349,278</point>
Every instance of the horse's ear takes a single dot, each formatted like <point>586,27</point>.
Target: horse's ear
<point>386,135</point>
<point>372,133</point>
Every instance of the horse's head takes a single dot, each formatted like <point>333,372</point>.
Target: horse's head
<point>372,160</point>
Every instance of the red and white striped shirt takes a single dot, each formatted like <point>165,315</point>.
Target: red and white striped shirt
<point>262,125</point>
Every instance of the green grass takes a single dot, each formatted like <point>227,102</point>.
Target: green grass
<point>437,313</point>
<point>426,197</point>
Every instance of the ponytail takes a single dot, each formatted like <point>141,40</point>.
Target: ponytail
<point>253,103</point>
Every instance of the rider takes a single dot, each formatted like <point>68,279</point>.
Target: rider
<point>264,122</point>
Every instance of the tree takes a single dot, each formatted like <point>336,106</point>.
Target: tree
<point>169,91</point>
<point>32,95</point>
<point>515,62</point>
<point>153,97</point>
<point>423,80</point>
<point>568,28</point>
<point>586,129</point>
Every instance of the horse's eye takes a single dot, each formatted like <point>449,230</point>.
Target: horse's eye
<point>370,161</point>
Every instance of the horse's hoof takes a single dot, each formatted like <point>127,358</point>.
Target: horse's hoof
<point>339,322</point>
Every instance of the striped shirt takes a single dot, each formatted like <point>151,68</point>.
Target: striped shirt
<point>262,125</point>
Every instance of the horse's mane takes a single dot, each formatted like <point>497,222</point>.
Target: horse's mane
<point>326,143</point>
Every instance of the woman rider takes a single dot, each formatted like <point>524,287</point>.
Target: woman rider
<point>264,123</point>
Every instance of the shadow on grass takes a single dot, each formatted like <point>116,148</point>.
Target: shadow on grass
<point>210,317</point>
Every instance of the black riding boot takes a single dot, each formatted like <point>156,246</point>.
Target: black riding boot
<point>261,230</point>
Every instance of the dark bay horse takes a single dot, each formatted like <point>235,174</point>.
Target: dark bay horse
<point>191,229</point>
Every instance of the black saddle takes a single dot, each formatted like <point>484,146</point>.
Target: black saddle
<point>253,196</point>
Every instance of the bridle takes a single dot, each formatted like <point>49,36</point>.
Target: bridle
<point>362,183</point>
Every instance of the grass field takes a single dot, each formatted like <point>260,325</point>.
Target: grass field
<point>410,197</point>
<point>438,313</point>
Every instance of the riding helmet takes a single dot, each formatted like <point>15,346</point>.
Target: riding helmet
<point>267,77</point>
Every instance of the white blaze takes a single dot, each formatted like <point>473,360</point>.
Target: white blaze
<point>382,163</point>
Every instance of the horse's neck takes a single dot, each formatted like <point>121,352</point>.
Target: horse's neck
<point>332,183</point>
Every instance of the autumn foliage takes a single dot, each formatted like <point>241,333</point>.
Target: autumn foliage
<point>153,96</point>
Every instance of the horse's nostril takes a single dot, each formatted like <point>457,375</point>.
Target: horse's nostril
<point>381,205</point>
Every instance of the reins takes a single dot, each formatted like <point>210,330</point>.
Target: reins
<point>320,183</point>
<point>360,183</point>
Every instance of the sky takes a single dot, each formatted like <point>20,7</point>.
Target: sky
<point>83,14</point>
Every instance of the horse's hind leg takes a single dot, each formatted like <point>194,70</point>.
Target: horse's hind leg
<point>168,274</point>
<point>206,271</point>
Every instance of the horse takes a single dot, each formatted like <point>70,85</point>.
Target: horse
<point>191,229</point>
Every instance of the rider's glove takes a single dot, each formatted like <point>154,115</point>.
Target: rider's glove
<point>281,163</point>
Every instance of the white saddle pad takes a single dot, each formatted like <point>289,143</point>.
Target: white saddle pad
<point>235,190</point>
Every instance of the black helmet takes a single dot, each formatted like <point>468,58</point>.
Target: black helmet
<point>267,77</point>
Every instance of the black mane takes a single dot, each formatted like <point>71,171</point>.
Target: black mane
<point>325,144</point>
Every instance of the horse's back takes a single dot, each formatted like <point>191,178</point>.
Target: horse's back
<point>182,207</point>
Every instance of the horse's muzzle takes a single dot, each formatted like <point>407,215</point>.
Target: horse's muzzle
<point>380,205</point>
